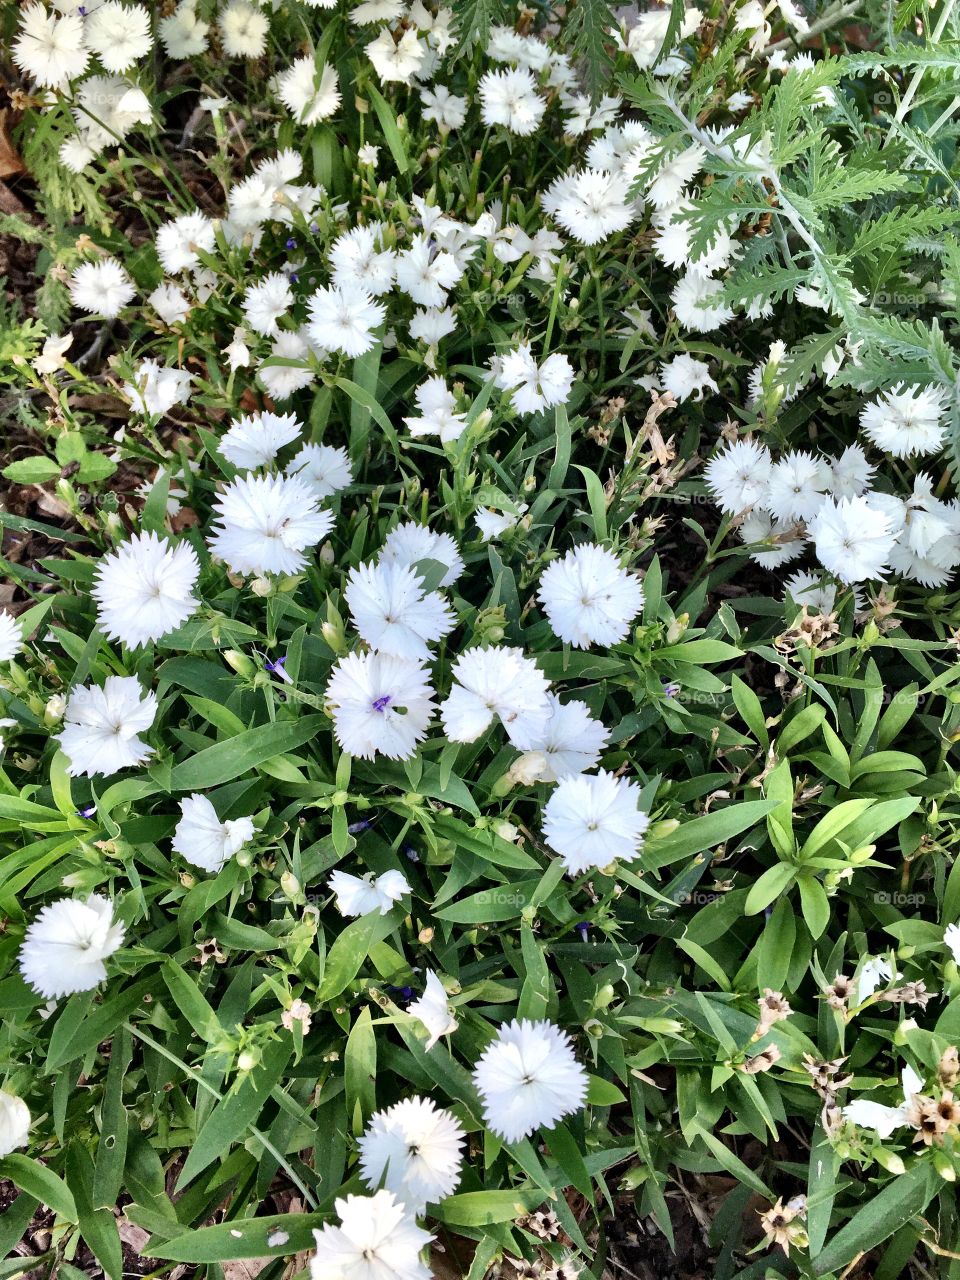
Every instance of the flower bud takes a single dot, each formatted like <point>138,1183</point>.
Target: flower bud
<point>944,1166</point>
<point>243,665</point>
<point>888,1160</point>
<point>289,884</point>
<point>261,586</point>
<point>248,1059</point>
<point>53,711</point>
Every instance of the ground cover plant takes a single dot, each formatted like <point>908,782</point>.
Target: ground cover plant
<point>479,640</point>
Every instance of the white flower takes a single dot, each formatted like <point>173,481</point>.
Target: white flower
<point>809,589</point>
<point>343,317</point>
<point>510,98</point>
<point>644,41</point>
<point>851,473</point>
<point>696,303</point>
<point>266,301</point>
<point>101,726</point>
<point>238,353</point>
<point>670,182</point>
<point>180,242</point>
<point>65,947</point>
<point>14,1123</point>
<point>310,93</point>
<point>426,273</point>
<point>796,485</point>
<point>107,108</point>
<point>906,421</point>
<point>393,613</point>
<point>684,377</point>
<point>49,48</point>
<point>170,303</point>
<point>144,589</point>
<point>951,939</point>
<point>433,1010</point>
<point>415,1150</point>
<point>369,12</point>
<point>357,259</point>
<point>438,415</point>
<point>358,896</point>
<point>118,34</point>
<point>571,741</point>
<point>282,380</point>
<point>853,538</point>
<point>432,324</point>
<point>534,386</point>
<point>738,475</point>
<point>528,1078</point>
<point>592,819</point>
<point>11,637</point>
<point>492,523</point>
<point>255,439</point>
<point>376,1240</point>
<point>52,357</point>
<point>883,1120</point>
<point>410,543</point>
<point>443,107</point>
<point>243,29</point>
<point>203,839</point>
<point>772,542</point>
<point>396,61</point>
<point>325,469</point>
<point>101,288</point>
<point>157,388</point>
<point>496,682</point>
<point>380,704</point>
<point>368,154</point>
<point>591,205</point>
<point>183,34</point>
<point>875,970</point>
<point>588,598</point>
<point>266,523</point>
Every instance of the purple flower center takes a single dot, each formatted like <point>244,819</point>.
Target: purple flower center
<point>276,666</point>
<point>291,243</point>
<point>381,703</point>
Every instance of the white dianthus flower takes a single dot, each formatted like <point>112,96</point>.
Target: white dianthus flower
<point>443,107</point>
<point>255,439</point>
<point>101,726</point>
<point>342,318</point>
<point>181,241</point>
<point>49,48</point>
<point>433,1010</point>
<point>492,523</point>
<point>501,683</point>
<point>853,538</point>
<point>375,1240</point>
<point>684,377</point>
<point>796,485</point>
<point>738,476</point>
<point>415,1150</point>
<point>696,303</point>
<point>592,819</point>
<point>118,34</point>
<point>591,205</point>
<point>529,1078</point>
<point>14,1123</point>
<point>170,303</point>
<point>266,523</point>
<point>381,705</point>
<point>408,544</point>
<point>438,415</point>
<point>310,93</point>
<point>771,542</point>
<point>243,29</point>
<point>282,380</point>
<point>432,324</point>
<point>426,273</point>
<point>392,612</point>
<point>101,288</point>
<point>144,589</point>
<point>266,301</point>
<point>396,61</point>
<point>203,840</point>
<point>588,598</point>
<point>65,946</point>
<point>906,421</point>
<point>534,386</point>
<point>325,469</point>
<point>359,896</point>
<point>851,473</point>
<point>571,741</point>
<point>157,388</point>
<point>358,260</point>
<point>183,34</point>
<point>11,636</point>
<point>670,182</point>
<point>510,98</point>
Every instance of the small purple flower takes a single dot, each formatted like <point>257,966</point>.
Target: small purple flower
<point>291,243</point>
<point>583,928</point>
<point>314,227</point>
<point>404,994</point>
<point>380,704</point>
<point>410,853</point>
<point>363,825</point>
<point>670,688</point>
<point>294,277</point>
<point>88,812</point>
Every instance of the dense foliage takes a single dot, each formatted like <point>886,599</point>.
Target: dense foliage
<point>402,694</point>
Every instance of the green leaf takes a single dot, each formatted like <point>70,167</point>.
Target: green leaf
<point>751,712</point>
<point>897,1204</point>
<point>40,1182</point>
<point>243,1238</point>
<point>388,123</point>
<point>705,832</point>
<point>350,949</point>
<point>774,881</point>
<point>482,1208</point>
<point>360,1066</point>
<point>815,904</point>
<point>32,471</point>
<point>225,761</point>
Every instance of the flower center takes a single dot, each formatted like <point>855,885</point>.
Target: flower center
<point>380,704</point>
